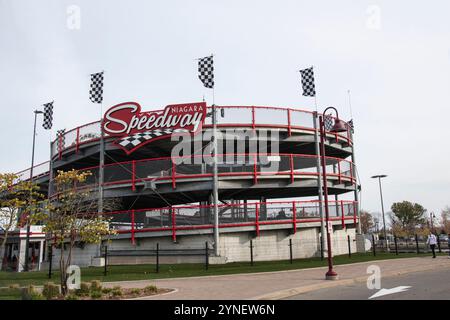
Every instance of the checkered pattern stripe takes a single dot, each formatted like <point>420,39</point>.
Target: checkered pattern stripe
<point>60,135</point>
<point>96,91</point>
<point>309,89</point>
<point>133,141</point>
<point>206,71</point>
<point>328,122</point>
<point>48,116</point>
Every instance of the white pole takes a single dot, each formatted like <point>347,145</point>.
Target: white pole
<point>215,180</point>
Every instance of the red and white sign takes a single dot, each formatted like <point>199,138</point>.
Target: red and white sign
<point>136,128</point>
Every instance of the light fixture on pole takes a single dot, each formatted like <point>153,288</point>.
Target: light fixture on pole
<point>379,177</point>
<point>339,126</point>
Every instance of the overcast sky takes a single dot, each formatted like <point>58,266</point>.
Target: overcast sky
<point>394,56</point>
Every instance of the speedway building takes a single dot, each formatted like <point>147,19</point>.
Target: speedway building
<point>269,196</point>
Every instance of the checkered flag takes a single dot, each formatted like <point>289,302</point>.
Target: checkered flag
<point>96,91</point>
<point>60,135</point>
<point>309,89</point>
<point>350,124</point>
<point>48,116</point>
<point>206,71</point>
<point>328,122</point>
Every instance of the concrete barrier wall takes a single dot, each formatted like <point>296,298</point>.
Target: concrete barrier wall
<point>234,247</point>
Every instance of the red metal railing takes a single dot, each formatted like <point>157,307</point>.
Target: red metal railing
<point>254,214</point>
<point>235,116</point>
<point>251,165</point>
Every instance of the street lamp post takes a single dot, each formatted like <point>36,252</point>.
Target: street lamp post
<point>379,177</point>
<point>27,238</point>
<point>339,126</point>
<point>432,216</point>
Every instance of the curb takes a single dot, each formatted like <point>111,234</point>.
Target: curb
<point>256,273</point>
<point>277,295</point>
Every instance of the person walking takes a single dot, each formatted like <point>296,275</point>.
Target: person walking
<point>432,241</point>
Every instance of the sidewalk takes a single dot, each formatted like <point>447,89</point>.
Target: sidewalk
<point>281,284</point>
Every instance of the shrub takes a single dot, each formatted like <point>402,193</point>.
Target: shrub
<point>96,295</point>
<point>135,291</point>
<point>150,289</point>
<point>30,293</point>
<point>84,290</point>
<point>96,286</point>
<point>50,290</point>
<point>116,291</point>
<point>72,297</point>
<point>106,290</point>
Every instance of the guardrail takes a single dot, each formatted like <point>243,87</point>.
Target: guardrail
<point>234,116</point>
<point>253,165</point>
<point>252,214</point>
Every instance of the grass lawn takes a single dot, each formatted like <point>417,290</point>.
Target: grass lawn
<point>147,272</point>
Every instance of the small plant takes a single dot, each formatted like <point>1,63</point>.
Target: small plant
<point>150,289</point>
<point>96,286</point>
<point>72,296</point>
<point>84,290</point>
<point>107,290</point>
<point>135,291</point>
<point>50,291</point>
<point>96,295</point>
<point>30,293</point>
<point>116,291</point>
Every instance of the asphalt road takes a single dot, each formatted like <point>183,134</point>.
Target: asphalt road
<point>425,285</point>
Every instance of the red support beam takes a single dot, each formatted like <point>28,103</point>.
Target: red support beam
<point>60,147</point>
<point>132,227</point>
<point>354,213</point>
<point>133,177</point>
<point>78,139</point>
<point>289,121</point>
<point>174,230</point>
<point>339,172</point>
<point>294,216</point>
<point>291,164</point>
<point>174,172</point>
<point>343,214</point>
<point>257,219</point>
<point>255,173</point>
<point>253,118</point>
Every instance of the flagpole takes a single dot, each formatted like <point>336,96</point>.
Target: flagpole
<point>215,179</point>
<point>27,239</point>
<point>319,173</point>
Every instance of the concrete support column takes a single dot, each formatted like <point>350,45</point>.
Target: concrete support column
<point>263,209</point>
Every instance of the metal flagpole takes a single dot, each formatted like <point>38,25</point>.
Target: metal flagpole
<point>101,177</point>
<point>319,172</point>
<point>215,180</point>
<point>27,239</point>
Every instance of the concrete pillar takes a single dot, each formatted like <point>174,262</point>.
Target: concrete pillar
<point>41,254</point>
<point>21,260</point>
<point>263,209</point>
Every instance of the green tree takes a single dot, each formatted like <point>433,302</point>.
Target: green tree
<point>17,199</point>
<point>407,217</point>
<point>73,217</point>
